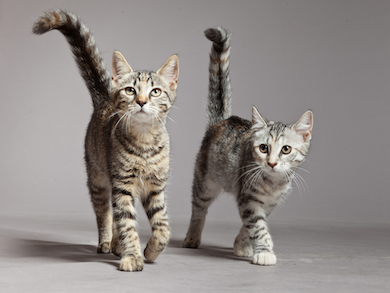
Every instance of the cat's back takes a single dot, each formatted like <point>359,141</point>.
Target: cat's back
<point>227,132</point>
<point>221,150</point>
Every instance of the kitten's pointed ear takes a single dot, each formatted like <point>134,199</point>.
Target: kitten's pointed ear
<point>119,66</point>
<point>170,71</point>
<point>257,119</point>
<point>304,125</point>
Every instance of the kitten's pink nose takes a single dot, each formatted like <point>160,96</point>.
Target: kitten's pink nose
<point>272,164</point>
<point>141,103</point>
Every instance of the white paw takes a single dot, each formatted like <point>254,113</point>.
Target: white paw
<point>265,259</point>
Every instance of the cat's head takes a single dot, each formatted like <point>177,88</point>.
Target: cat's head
<point>143,97</point>
<point>277,147</point>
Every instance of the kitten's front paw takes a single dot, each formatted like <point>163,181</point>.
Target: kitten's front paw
<point>153,249</point>
<point>264,259</point>
<point>131,264</point>
<point>191,242</point>
<point>115,248</point>
<point>104,247</point>
<point>243,250</point>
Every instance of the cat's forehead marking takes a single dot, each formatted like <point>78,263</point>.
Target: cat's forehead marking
<point>277,131</point>
<point>143,78</point>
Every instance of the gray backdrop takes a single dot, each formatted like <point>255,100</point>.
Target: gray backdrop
<point>330,56</point>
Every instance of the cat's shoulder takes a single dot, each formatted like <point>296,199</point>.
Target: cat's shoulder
<point>230,126</point>
<point>237,123</point>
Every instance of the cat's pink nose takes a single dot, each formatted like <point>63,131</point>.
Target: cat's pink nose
<point>141,103</point>
<point>272,164</point>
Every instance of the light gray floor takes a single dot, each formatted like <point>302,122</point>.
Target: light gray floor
<point>56,253</point>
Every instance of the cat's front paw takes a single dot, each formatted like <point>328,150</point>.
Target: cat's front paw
<point>191,242</point>
<point>243,250</point>
<point>115,248</point>
<point>153,249</point>
<point>104,247</point>
<point>131,264</point>
<point>264,259</point>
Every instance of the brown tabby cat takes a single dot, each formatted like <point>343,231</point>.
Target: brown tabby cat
<point>127,144</point>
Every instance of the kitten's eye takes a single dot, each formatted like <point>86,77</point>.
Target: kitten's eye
<point>286,149</point>
<point>130,91</point>
<point>155,92</point>
<point>263,148</point>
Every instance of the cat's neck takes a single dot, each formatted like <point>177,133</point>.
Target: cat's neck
<point>146,132</point>
<point>276,180</point>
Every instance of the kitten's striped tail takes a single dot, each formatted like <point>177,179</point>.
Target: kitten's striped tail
<point>220,93</point>
<point>86,53</point>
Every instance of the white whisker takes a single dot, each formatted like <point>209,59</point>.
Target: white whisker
<point>299,168</point>
<point>171,119</point>
<point>117,123</point>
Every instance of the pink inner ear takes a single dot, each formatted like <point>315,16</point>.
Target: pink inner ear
<point>306,135</point>
<point>172,85</point>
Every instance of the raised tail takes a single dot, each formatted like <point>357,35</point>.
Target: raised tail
<point>86,53</point>
<point>220,93</point>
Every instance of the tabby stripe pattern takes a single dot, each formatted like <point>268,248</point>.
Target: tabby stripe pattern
<point>127,143</point>
<point>220,93</point>
<point>83,46</point>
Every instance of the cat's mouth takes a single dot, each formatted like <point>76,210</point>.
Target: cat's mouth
<point>143,116</point>
<point>142,112</point>
<point>273,170</point>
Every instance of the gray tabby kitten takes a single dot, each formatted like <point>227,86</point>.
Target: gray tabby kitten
<point>126,145</point>
<point>255,160</point>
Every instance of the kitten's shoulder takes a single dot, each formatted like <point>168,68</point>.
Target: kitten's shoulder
<point>232,126</point>
<point>236,122</point>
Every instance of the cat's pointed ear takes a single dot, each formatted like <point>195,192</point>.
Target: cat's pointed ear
<point>304,125</point>
<point>119,66</point>
<point>257,120</point>
<point>170,71</point>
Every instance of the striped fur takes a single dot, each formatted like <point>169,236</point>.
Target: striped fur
<point>219,107</point>
<point>255,160</point>
<point>126,145</point>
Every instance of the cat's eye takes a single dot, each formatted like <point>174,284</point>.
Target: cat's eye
<point>286,149</point>
<point>263,148</point>
<point>155,92</point>
<point>130,91</point>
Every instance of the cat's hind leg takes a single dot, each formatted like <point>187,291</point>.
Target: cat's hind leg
<point>100,191</point>
<point>204,191</point>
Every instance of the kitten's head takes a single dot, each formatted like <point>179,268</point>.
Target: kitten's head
<point>143,97</point>
<point>279,148</point>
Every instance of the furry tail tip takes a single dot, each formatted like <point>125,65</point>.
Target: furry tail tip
<point>217,35</point>
<point>49,21</point>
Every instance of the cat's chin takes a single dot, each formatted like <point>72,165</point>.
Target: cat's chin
<point>143,117</point>
<point>275,173</point>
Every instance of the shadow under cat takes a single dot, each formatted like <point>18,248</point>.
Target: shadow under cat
<point>24,244</point>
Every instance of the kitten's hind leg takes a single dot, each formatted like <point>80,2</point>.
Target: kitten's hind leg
<point>203,193</point>
<point>242,244</point>
<point>156,210</point>
<point>100,197</point>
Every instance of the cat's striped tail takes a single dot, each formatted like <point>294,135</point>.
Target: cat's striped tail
<point>220,93</point>
<point>86,53</point>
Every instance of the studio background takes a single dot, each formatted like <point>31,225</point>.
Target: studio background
<point>287,56</point>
